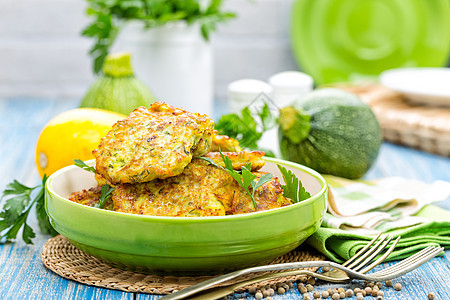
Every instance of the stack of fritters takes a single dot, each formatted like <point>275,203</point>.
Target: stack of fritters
<point>153,143</point>
<point>152,160</point>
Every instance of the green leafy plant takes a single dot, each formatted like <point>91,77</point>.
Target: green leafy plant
<point>248,127</point>
<point>17,207</point>
<point>110,15</point>
<point>245,178</point>
<point>293,189</point>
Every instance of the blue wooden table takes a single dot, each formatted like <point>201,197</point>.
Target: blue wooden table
<point>23,276</point>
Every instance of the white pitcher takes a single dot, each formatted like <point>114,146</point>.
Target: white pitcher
<point>174,61</point>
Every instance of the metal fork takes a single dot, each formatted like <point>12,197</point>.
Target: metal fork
<point>358,261</point>
<point>391,272</point>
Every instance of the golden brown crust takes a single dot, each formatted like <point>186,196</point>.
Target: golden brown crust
<point>166,198</point>
<point>87,197</point>
<point>239,159</point>
<point>268,196</point>
<point>201,190</point>
<point>224,143</point>
<point>152,143</point>
<point>91,197</point>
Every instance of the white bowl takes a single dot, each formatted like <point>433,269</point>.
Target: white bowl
<point>430,86</point>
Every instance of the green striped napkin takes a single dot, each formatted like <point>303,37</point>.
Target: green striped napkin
<point>367,208</point>
<point>339,245</point>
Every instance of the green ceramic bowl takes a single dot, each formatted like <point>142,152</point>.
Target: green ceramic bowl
<point>184,245</point>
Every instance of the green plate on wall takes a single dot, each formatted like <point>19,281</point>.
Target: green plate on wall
<point>356,40</point>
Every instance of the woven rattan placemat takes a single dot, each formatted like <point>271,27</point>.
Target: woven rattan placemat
<point>423,127</point>
<point>61,257</point>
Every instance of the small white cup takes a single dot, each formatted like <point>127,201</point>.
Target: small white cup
<point>288,86</point>
<point>242,93</point>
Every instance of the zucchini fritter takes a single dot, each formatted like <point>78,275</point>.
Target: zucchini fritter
<point>87,197</point>
<point>224,143</point>
<point>238,159</point>
<point>90,197</point>
<point>153,143</point>
<point>201,190</point>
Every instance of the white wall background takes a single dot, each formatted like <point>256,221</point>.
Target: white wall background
<point>42,54</point>
<point>255,45</point>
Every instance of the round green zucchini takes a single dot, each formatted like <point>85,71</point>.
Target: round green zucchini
<point>331,131</point>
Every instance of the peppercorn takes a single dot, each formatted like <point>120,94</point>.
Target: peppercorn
<point>349,293</point>
<point>258,295</point>
<point>357,290</point>
<point>252,290</point>
<point>368,290</point>
<point>342,295</point>
<point>303,279</point>
<point>306,297</point>
<point>266,294</point>
<point>299,285</point>
<point>285,286</point>
<point>359,296</point>
<point>311,280</point>
<point>326,269</point>
<point>303,290</point>
<point>316,295</point>
<point>281,291</point>
<point>388,282</point>
<point>335,296</point>
<point>290,284</point>
<point>379,284</point>
<point>398,286</point>
<point>325,294</point>
<point>341,290</point>
<point>309,287</point>
<point>380,293</point>
<point>431,296</point>
<point>271,291</point>
<point>269,298</point>
<point>374,293</point>
<point>379,298</point>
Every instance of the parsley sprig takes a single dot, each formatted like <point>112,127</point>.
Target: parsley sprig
<point>104,196</point>
<point>293,189</point>
<point>17,207</point>
<point>106,189</point>
<point>81,164</point>
<point>245,178</point>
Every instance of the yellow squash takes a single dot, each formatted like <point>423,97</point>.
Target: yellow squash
<point>72,135</point>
